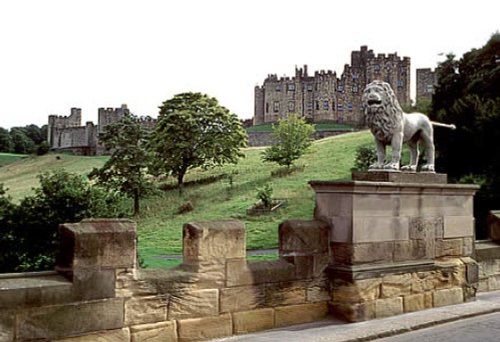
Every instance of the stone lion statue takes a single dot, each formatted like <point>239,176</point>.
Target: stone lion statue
<point>391,126</point>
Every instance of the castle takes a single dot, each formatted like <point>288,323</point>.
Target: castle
<point>66,133</point>
<point>325,97</point>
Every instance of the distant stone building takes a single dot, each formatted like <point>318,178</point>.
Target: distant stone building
<point>324,97</point>
<point>426,82</point>
<point>66,133</point>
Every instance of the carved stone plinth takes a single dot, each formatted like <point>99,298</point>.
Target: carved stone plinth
<point>401,229</point>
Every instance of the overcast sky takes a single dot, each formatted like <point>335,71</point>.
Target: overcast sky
<point>101,53</point>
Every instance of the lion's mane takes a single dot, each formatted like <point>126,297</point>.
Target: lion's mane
<point>385,118</point>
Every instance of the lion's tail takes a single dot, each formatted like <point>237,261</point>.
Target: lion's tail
<point>452,126</point>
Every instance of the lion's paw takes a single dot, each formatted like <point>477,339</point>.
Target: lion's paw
<point>391,166</point>
<point>376,166</point>
<point>428,168</point>
<point>409,168</point>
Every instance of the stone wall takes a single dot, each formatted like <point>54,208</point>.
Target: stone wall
<point>98,293</point>
<point>426,82</point>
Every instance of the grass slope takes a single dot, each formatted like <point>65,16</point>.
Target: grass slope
<point>317,127</point>
<point>9,158</point>
<point>20,177</point>
<point>160,225</point>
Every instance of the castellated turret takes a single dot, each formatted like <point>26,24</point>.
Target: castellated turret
<point>66,133</point>
<point>324,97</point>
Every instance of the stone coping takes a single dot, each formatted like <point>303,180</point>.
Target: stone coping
<point>374,270</point>
<point>401,177</point>
<point>365,187</point>
<point>31,280</point>
<point>486,250</point>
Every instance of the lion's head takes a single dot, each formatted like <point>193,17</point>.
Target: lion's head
<point>381,109</point>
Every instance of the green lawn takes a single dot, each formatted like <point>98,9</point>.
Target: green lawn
<point>9,158</point>
<point>160,226</point>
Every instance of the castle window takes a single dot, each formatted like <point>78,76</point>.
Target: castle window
<point>354,88</point>
<point>340,88</point>
<point>325,105</point>
<point>340,107</point>
<point>309,87</point>
<point>317,105</point>
<point>401,83</point>
<point>278,87</point>
<point>291,106</point>
<point>291,87</point>
<point>309,105</point>
<point>267,107</point>
<point>276,106</point>
<point>429,88</point>
<point>376,67</point>
<point>349,107</point>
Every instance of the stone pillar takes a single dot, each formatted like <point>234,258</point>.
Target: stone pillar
<point>91,251</point>
<point>401,225</point>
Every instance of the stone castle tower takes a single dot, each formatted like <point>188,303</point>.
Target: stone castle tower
<point>426,82</point>
<point>324,97</point>
<point>66,133</point>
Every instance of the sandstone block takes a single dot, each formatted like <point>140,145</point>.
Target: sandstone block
<point>301,237</point>
<point>7,319</point>
<point>239,272</point>
<point>494,282</point>
<point>295,314</point>
<point>70,319</point>
<point>93,283</point>
<point>352,312</point>
<point>424,281</point>
<point>255,320</point>
<point>429,299</point>
<point>139,310</point>
<point>190,304</point>
<point>155,332</point>
<point>396,285</point>
<point>388,307</point>
<point>213,240</point>
<point>468,247</point>
<point>414,250</point>
<point>118,335</point>
<point>448,297</point>
<point>426,228</point>
<point>449,247</point>
<point>379,229</point>
<point>372,252</point>
<point>341,228</point>
<point>318,293</point>
<point>241,298</point>
<point>458,226</point>
<point>285,294</point>
<point>206,328</point>
<point>493,224</point>
<point>358,291</point>
<point>414,302</point>
<point>97,243</point>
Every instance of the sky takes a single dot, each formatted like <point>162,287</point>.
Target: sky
<point>58,54</point>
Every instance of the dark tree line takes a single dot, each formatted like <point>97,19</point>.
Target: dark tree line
<point>468,95</point>
<point>24,140</point>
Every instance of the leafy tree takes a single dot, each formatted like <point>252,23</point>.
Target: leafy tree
<point>125,170</point>
<point>22,143</point>
<point>29,230</point>
<point>193,130</point>
<point>6,144</point>
<point>467,95</point>
<point>293,137</point>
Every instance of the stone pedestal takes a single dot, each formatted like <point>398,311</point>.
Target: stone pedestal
<point>403,230</point>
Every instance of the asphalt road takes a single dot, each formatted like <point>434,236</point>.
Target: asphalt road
<point>482,328</point>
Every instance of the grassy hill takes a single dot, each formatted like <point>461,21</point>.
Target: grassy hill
<point>160,224</point>
<point>9,158</point>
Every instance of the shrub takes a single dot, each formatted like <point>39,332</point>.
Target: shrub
<point>365,156</point>
<point>265,195</point>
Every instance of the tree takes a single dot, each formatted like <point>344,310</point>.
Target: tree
<point>6,144</point>
<point>125,170</point>
<point>193,130</point>
<point>22,143</point>
<point>293,137</point>
<point>29,230</point>
<point>467,95</point>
